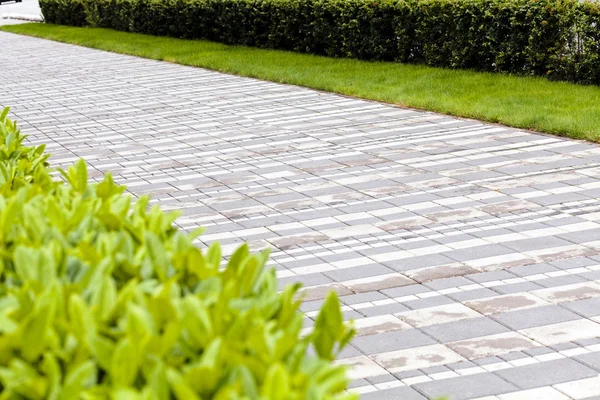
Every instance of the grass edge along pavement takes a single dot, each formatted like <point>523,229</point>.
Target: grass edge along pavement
<point>523,102</point>
<point>102,297</point>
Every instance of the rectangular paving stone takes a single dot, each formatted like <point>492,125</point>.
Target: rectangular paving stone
<point>505,303</point>
<point>427,302</point>
<point>466,387</point>
<point>566,293</point>
<point>391,341</point>
<point>581,389</point>
<point>472,294</point>
<point>386,309</point>
<point>591,360</point>
<point>541,393</point>
<point>546,373</point>
<point>414,358</point>
<point>362,298</point>
<point>491,276</point>
<point>405,290</point>
<point>465,329</point>
<point>561,281</point>
<point>404,393</point>
<point>517,287</point>
<point>536,243</point>
<point>533,269</point>
<point>537,316</point>
<point>492,345</point>
<point>563,332</point>
<point>437,315</point>
<point>587,307</point>
<point>363,271</point>
<point>446,283</point>
<point>478,252</point>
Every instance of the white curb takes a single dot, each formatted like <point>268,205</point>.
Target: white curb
<point>24,17</point>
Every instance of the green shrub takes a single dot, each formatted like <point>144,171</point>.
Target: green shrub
<point>64,12</point>
<point>559,39</point>
<point>102,298</point>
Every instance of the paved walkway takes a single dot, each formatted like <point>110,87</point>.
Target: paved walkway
<point>468,254</point>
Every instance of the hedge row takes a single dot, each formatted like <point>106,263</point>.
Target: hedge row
<point>101,298</point>
<point>555,38</point>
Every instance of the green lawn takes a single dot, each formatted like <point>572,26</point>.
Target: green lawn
<point>533,103</point>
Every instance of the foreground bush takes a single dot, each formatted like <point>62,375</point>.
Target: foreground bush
<point>555,38</point>
<point>102,299</point>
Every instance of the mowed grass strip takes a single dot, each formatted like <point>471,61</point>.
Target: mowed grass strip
<point>523,102</point>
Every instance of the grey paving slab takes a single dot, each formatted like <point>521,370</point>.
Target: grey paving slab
<point>547,373</point>
<point>404,393</point>
<point>390,341</point>
<point>585,307</point>
<point>592,360</point>
<point>537,316</point>
<point>414,218</point>
<point>467,387</point>
<point>465,329</point>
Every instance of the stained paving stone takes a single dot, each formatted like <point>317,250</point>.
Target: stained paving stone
<point>400,211</point>
<point>490,345</point>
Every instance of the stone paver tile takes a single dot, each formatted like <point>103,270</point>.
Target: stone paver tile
<point>542,393</point>
<point>592,360</point>
<point>437,315</point>
<point>546,373</point>
<point>492,345</point>
<point>587,308</point>
<point>465,329</point>
<point>427,302</point>
<point>580,389</point>
<point>379,324</point>
<point>563,332</point>
<point>505,303</point>
<point>391,340</point>
<point>385,309</point>
<point>528,318</point>
<point>466,387</point>
<point>578,291</point>
<point>404,393</point>
<point>417,357</point>
<point>362,367</point>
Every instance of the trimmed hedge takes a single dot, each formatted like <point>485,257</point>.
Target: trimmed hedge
<point>101,298</point>
<point>559,39</point>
